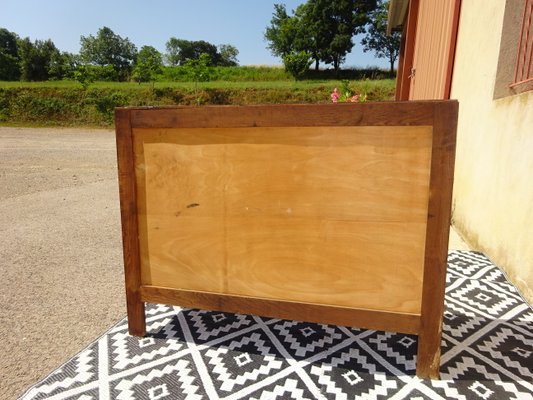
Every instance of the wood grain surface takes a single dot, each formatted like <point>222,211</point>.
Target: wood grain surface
<point>324,314</point>
<point>129,222</point>
<point>324,215</point>
<point>437,234</point>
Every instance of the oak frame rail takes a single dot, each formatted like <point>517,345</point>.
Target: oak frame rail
<point>440,115</point>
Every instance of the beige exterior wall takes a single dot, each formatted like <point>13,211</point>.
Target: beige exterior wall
<point>493,189</point>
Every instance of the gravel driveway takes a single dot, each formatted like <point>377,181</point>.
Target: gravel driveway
<point>60,248</point>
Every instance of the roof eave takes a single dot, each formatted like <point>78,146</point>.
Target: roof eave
<point>397,14</point>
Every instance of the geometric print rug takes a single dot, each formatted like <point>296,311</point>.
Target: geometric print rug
<point>487,353</point>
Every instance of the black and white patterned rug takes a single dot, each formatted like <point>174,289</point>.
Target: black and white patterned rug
<point>487,349</point>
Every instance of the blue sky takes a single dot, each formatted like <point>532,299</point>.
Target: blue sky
<point>240,23</point>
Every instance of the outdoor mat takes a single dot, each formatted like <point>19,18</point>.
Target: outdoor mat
<point>487,347</point>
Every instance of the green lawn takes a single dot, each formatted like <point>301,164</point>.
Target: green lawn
<point>304,84</point>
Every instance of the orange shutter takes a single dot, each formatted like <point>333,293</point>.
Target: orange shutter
<point>436,30</point>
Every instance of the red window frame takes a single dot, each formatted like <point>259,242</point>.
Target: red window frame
<point>523,77</point>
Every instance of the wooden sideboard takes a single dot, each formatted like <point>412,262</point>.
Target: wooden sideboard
<point>331,213</point>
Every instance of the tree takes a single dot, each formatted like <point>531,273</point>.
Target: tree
<point>60,65</point>
<point>180,51</point>
<point>72,61</point>
<point>108,48</point>
<point>198,70</point>
<point>148,65</point>
<point>297,63</point>
<point>281,34</point>
<point>323,28</point>
<point>8,42</point>
<point>288,35</point>
<point>331,25</point>
<point>306,37</point>
<point>37,59</point>
<point>227,55</point>
<point>85,75</point>
<point>377,40</point>
<point>9,59</point>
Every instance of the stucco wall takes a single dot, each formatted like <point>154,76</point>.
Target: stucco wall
<point>493,189</point>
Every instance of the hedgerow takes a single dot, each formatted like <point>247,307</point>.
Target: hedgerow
<point>72,105</point>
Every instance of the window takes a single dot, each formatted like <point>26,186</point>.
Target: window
<point>523,70</point>
<point>515,70</point>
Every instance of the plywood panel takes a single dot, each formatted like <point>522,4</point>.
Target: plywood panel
<point>328,262</point>
<point>324,215</point>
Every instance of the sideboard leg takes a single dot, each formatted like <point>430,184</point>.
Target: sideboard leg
<point>428,357</point>
<point>136,317</point>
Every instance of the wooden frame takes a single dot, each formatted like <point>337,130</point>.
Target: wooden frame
<point>162,150</point>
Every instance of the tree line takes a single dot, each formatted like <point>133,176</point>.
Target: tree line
<point>317,31</point>
<point>104,56</point>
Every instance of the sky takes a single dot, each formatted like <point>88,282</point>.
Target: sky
<point>240,23</point>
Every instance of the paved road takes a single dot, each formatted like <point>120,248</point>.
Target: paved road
<point>60,249</point>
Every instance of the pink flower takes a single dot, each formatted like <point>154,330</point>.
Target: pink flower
<point>335,96</point>
<point>354,99</point>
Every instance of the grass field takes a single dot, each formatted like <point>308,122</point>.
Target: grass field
<point>67,103</point>
<point>281,84</point>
